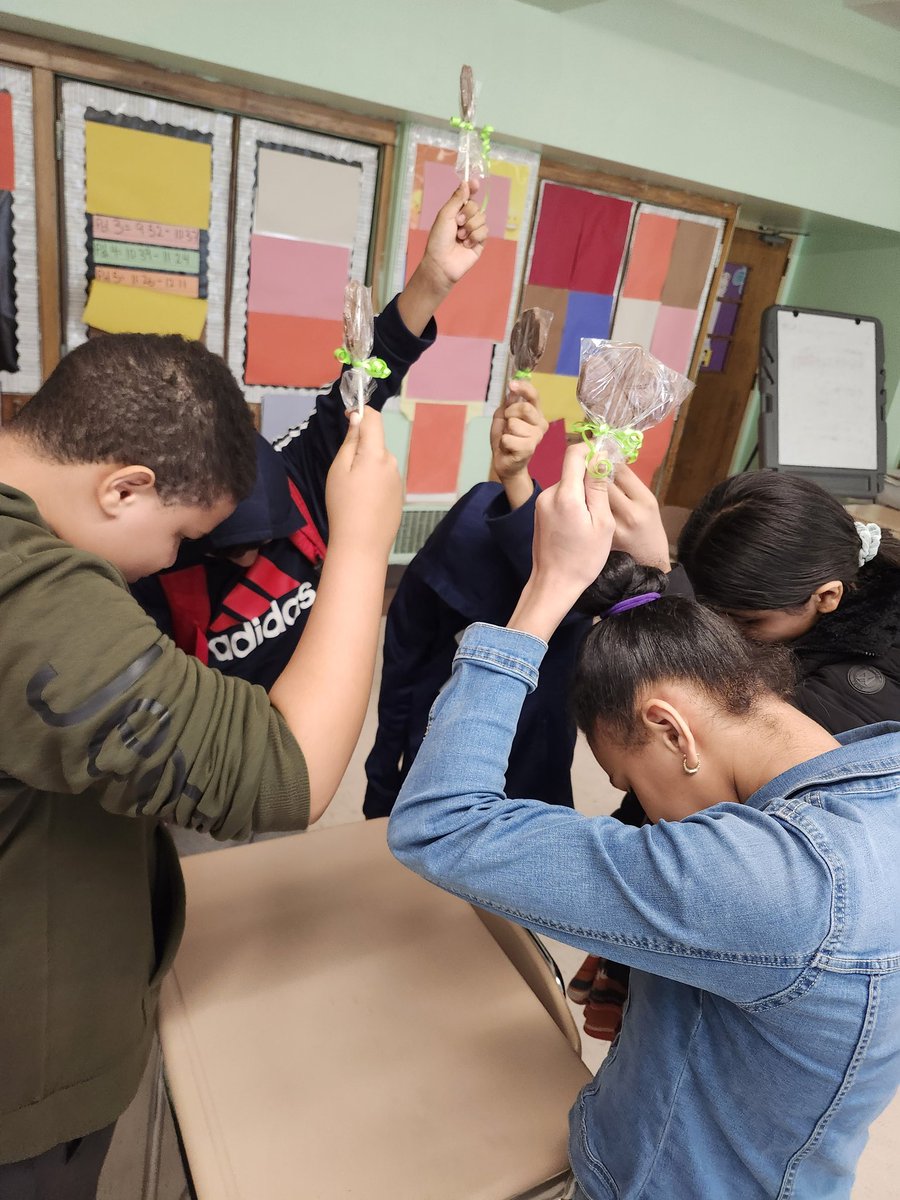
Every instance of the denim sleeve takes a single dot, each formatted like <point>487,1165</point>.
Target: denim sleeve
<point>731,899</point>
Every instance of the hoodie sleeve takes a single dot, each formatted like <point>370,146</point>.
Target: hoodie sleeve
<point>309,450</point>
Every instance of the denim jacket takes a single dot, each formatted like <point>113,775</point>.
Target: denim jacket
<point>762,1032</point>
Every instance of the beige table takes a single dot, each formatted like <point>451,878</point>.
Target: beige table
<point>334,1027</point>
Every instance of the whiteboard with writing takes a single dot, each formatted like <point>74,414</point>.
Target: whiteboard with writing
<point>827,391</point>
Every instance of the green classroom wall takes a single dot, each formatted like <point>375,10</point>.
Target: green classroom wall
<point>655,86</point>
<point>792,109</point>
<point>854,274</point>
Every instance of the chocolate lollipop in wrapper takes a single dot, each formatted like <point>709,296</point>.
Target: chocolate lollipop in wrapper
<point>474,144</point>
<point>358,383</point>
<point>623,390</point>
<point>528,341</point>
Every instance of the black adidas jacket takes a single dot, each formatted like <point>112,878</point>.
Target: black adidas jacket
<point>849,662</point>
<point>247,622</point>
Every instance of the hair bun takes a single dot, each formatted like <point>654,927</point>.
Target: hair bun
<point>621,579</point>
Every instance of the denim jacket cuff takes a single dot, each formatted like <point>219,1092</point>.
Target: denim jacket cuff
<point>506,650</point>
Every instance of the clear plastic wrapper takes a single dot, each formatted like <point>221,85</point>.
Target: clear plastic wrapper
<point>624,391</point>
<point>528,341</point>
<point>358,383</point>
<point>474,143</point>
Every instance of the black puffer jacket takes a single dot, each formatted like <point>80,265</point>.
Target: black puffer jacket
<point>849,662</point>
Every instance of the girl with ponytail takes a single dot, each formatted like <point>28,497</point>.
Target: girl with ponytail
<point>758,908</point>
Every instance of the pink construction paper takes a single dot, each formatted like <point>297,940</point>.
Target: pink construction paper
<point>440,184</point>
<point>673,337</point>
<point>455,368</point>
<point>297,279</point>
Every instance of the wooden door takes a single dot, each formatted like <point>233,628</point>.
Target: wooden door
<point>715,414</point>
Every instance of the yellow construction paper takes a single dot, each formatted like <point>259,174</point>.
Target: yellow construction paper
<point>518,175</point>
<point>558,398</point>
<point>147,176</point>
<point>116,309</point>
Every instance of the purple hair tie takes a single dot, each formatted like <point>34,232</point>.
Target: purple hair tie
<point>631,602</point>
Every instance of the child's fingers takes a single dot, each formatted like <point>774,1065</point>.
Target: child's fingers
<point>629,484</point>
<point>520,448</point>
<point>455,205</point>
<point>521,410</point>
<point>526,390</point>
<point>521,429</point>
<point>370,433</point>
<point>596,497</point>
<point>572,484</point>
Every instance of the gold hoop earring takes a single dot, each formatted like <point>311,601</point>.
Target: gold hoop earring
<point>691,770</point>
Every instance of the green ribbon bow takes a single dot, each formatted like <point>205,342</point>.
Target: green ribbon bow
<point>522,375</point>
<point>375,368</point>
<point>484,133</point>
<point>629,440</point>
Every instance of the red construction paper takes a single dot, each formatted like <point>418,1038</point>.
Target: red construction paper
<point>7,153</point>
<point>297,279</point>
<point>478,307</point>
<point>435,449</point>
<point>649,256</point>
<point>580,240</point>
<point>546,463</point>
<point>284,351</point>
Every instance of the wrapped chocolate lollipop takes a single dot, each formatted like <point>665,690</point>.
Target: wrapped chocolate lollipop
<point>528,341</point>
<point>358,383</point>
<point>624,391</point>
<point>474,144</point>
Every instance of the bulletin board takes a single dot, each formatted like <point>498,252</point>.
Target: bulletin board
<point>20,336</point>
<point>823,399</point>
<point>609,266</point>
<point>303,225</point>
<point>146,186</point>
<point>438,426</point>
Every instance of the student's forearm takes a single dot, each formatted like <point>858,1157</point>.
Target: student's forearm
<point>419,300</point>
<point>324,690</point>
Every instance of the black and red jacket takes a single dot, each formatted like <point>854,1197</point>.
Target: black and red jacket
<point>246,622</point>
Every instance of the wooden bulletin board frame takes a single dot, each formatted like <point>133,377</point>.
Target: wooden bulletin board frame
<point>51,62</point>
<point>664,196</point>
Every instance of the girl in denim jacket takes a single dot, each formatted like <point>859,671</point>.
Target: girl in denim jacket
<point>758,909</point>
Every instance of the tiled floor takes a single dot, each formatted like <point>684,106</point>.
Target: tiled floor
<point>879,1169</point>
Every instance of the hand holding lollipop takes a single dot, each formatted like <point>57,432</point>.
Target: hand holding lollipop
<point>474,144</point>
<point>623,390</point>
<point>358,383</point>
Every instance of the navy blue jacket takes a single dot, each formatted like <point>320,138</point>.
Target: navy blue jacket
<point>473,568</point>
<point>246,622</point>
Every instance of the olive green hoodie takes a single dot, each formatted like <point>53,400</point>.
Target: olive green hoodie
<point>106,728</point>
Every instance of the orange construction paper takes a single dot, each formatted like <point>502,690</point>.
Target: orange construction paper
<point>435,449</point>
<point>478,306</point>
<point>649,256</point>
<point>285,351</point>
<point>653,451</point>
<point>7,153</point>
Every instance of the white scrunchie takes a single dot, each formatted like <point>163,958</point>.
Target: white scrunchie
<point>870,540</point>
